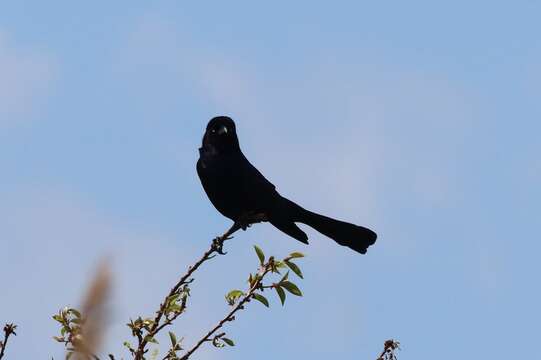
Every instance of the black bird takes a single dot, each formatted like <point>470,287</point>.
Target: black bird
<point>240,192</point>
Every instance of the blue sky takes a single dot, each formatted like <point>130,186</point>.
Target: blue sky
<point>417,119</point>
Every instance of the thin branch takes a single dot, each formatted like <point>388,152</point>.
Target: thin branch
<point>215,248</point>
<point>231,315</point>
<point>389,348</point>
<point>9,329</point>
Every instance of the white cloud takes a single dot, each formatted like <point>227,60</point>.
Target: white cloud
<point>25,77</point>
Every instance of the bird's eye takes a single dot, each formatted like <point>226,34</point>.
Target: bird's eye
<point>222,130</point>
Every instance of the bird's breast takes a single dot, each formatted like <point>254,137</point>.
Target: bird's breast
<point>222,184</point>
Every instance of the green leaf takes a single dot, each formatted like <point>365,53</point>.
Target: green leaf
<point>261,299</point>
<point>294,268</point>
<point>233,295</point>
<point>260,254</point>
<point>296,255</point>
<point>128,345</point>
<point>217,343</point>
<point>174,308</point>
<point>284,278</point>
<point>150,339</point>
<point>228,341</point>
<point>173,338</point>
<point>292,288</point>
<point>173,299</point>
<point>58,318</point>
<point>254,279</point>
<point>281,294</point>
<point>75,312</point>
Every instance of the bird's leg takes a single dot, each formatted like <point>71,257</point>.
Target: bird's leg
<point>218,242</point>
<point>243,223</point>
<point>218,245</point>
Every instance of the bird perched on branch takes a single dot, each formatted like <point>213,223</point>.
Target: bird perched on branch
<point>240,192</point>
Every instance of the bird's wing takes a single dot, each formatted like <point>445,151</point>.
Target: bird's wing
<point>257,190</point>
<point>253,178</point>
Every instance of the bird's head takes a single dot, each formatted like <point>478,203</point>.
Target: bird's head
<point>221,135</point>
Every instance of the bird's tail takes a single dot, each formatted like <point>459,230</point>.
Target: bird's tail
<point>355,237</point>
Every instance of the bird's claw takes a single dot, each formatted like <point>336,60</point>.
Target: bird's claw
<point>245,226</point>
<point>218,245</point>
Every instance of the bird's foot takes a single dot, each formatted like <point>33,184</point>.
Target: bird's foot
<point>245,225</point>
<point>218,244</point>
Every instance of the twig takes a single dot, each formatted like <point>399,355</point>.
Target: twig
<point>389,348</point>
<point>8,330</point>
<point>230,316</point>
<point>215,248</point>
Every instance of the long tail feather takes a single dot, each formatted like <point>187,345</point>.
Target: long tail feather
<point>355,237</point>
